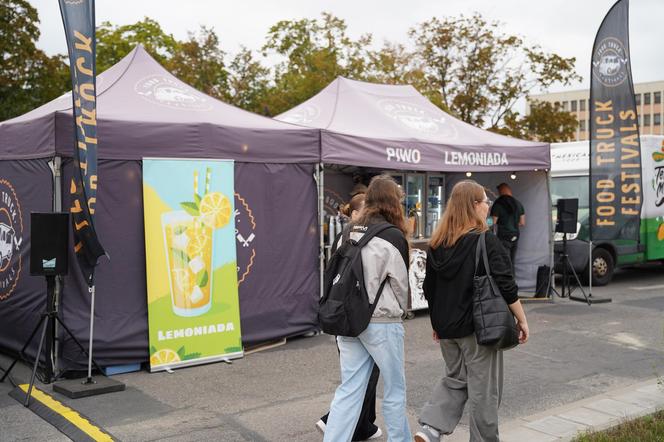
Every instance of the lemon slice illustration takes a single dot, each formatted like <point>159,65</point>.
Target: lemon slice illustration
<point>164,356</point>
<point>196,244</point>
<point>215,210</point>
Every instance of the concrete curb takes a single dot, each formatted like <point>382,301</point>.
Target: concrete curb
<point>563,423</point>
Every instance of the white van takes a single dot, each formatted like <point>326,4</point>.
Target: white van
<point>569,179</point>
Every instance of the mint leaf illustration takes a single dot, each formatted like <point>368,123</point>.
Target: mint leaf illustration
<point>197,199</point>
<point>181,352</point>
<point>180,258</point>
<point>202,279</point>
<point>190,208</point>
<point>179,230</point>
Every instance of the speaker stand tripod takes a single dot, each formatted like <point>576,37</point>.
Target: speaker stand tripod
<point>48,319</point>
<point>566,289</point>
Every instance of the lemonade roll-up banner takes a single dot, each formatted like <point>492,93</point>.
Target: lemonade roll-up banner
<point>191,265</point>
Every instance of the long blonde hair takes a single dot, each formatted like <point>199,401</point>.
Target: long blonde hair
<point>460,216</point>
<point>383,199</point>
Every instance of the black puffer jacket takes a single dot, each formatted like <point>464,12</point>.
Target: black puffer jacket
<point>448,285</point>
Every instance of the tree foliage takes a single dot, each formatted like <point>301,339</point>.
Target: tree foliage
<point>465,65</point>
<point>314,53</point>
<point>28,77</point>
<point>480,72</point>
<point>114,42</point>
<point>199,61</point>
<point>248,82</point>
<point>545,122</point>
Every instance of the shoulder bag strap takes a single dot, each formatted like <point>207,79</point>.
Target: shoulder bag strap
<point>478,252</point>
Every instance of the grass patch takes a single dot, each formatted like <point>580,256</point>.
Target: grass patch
<point>646,429</point>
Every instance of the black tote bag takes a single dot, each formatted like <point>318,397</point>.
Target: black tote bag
<point>494,322</point>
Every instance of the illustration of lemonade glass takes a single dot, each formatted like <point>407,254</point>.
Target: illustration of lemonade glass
<point>189,242</point>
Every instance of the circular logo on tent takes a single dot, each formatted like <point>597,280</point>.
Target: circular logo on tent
<point>303,115</point>
<point>610,62</point>
<point>416,118</point>
<point>11,238</point>
<point>168,92</point>
<point>245,234</point>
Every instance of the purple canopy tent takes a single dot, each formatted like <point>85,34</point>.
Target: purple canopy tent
<point>395,128</point>
<point>144,111</point>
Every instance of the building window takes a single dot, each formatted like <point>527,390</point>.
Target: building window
<point>574,106</point>
<point>582,105</point>
<point>646,120</point>
<point>565,106</point>
<point>657,119</point>
<point>657,97</point>
<point>646,98</point>
<point>582,125</point>
<point>638,99</point>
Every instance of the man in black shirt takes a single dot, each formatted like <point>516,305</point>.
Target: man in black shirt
<point>508,215</point>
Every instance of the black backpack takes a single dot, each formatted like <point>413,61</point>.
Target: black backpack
<point>344,308</point>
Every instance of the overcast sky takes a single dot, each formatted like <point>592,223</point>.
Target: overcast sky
<point>566,27</point>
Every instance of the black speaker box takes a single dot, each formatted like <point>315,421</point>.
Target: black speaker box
<point>568,213</point>
<point>49,238</point>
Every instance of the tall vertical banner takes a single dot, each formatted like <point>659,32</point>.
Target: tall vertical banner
<point>615,151</point>
<point>191,264</point>
<point>78,17</point>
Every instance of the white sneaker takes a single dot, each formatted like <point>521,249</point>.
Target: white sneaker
<point>428,434</point>
<point>376,435</point>
<point>320,425</point>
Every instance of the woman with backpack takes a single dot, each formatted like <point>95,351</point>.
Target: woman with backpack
<point>471,372</point>
<point>365,429</point>
<point>384,260</point>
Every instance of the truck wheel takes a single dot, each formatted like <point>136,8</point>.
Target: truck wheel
<point>603,267</point>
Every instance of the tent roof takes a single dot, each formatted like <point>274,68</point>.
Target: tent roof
<point>396,127</point>
<point>143,110</point>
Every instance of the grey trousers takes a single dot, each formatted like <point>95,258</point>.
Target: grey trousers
<point>473,374</point>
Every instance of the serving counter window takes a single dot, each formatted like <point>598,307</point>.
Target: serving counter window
<point>424,201</point>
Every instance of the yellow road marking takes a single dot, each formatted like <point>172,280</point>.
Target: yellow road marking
<point>72,416</point>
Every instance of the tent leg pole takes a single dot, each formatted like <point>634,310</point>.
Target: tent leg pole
<point>590,268</point>
<point>57,207</point>
<point>92,324</point>
<point>321,224</point>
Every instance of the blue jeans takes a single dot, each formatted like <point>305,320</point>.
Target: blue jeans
<point>381,343</point>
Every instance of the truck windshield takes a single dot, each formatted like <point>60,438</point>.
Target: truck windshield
<point>570,187</point>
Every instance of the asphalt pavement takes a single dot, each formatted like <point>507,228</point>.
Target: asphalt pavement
<point>578,356</point>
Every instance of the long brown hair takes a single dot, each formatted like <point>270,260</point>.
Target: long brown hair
<point>356,203</point>
<point>460,216</point>
<point>383,199</point>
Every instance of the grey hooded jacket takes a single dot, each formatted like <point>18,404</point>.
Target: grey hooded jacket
<point>385,256</point>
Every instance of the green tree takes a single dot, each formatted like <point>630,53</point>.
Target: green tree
<point>199,62</point>
<point>393,64</point>
<point>315,52</point>
<point>248,82</point>
<point>114,42</point>
<point>479,72</point>
<point>545,122</point>
<point>28,77</point>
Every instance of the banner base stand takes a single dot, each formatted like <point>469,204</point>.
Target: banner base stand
<point>590,299</point>
<point>78,388</point>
